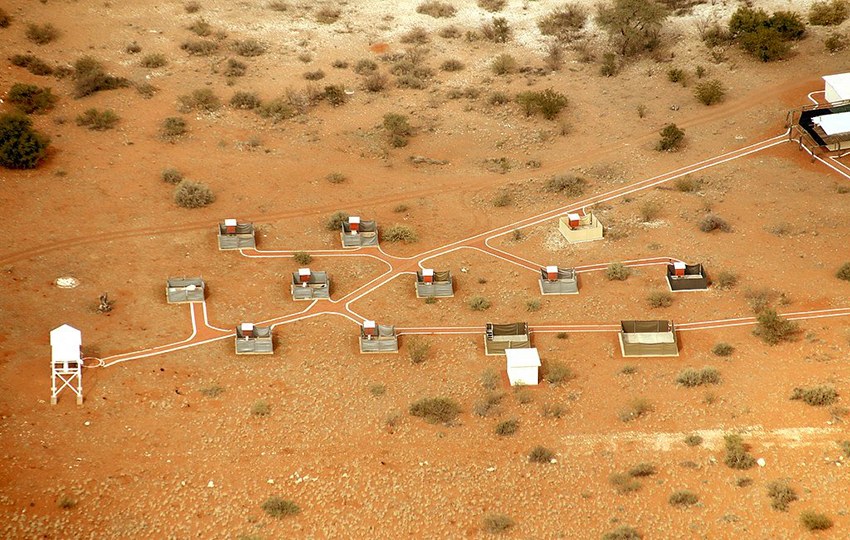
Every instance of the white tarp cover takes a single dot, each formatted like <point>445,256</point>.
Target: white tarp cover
<point>834,124</point>
<point>520,358</point>
<point>649,337</point>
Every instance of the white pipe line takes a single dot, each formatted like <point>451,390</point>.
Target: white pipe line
<point>536,266</point>
<point>207,321</point>
<point>813,99</point>
<point>305,310</point>
<point>370,290</point>
<point>187,346</point>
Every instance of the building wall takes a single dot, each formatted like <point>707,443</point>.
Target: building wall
<point>525,375</point>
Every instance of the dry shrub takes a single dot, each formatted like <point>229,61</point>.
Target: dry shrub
<point>548,102</point>
<point>189,194</point>
<point>328,15</point>
<point>814,521</point>
<point>418,36</point>
<point>659,299</point>
<point>90,77</point>
<point>449,32</point>
<point>172,127</point>
<point>636,409</point>
<point>817,396</point>
<point>418,350</point>
<point>683,498</point>
<point>835,42</point>
<point>365,67</point>
<point>277,110</point>
<point>201,99</point>
<point>277,5</point>
<point>234,68</point>
<point>436,9</point>
<point>781,495</point>
<point>245,100</point>
<point>153,60</point>
<point>192,7</point>
<point>623,532</point>
<point>32,63</point>
<point>171,176</point>
<point>41,34</point>
<point>452,65</point>
<point>97,120</point>
<point>5,19</point>
<point>497,523</point>
<point>541,454</point>
<point>314,75</point>
<point>693,440</point>
<point>617,272</point>
<point>249,47</point>
<point>280,508</point>
<point>336,220</point>
<point>624,483</point>
<point>828,13</point>
<point>435,410</point>
<point>563,22</point>
<point>691,377</point>
<point>713,222</point>
<point>498,30</point>
<point>493,6</point>
<point>723,349</point>
<point>478,303</point>
<point>503,64</point>
<point>375,82</point>
<point>710,92</point>
<point>557,372</point>
<point>31,99</point>
<point>200,27</point>
<point>736,456</point>
<point>399,232</point>
<point>199,47</point>
<point>302,257</point>
<point>506,428</point>
<point>726,279</point>
<point>843,273</point>
<point>773,329</point>
<point>672,139</point>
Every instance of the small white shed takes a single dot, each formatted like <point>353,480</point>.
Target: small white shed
<point>836,87</point>
<point>65,343</point>
<point>523,366</point>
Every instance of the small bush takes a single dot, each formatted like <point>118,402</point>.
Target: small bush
<point>568,184</point>
<point>416,36</point>
<point>683,498</point>
<point>828,13</point>
<point>843,273</point>
<point>497,523</point>
<point>436,9</point>
<point>691,377</point>
<point>21,147</point>
<point>400,233</point>
<point>557,372</point>
<point>504,64</point>
<point>814,521</point>
<point>478,303</point>
<point>723,349</point>
<point>336,220</point>
<point>435,410</point>
<point>336,178</point>
<point>234,68</point>
<point>190,194</point>
<point>609,66</point>
<point>418,350</point>
<point>552,410</point>
<point>541,454</point>
<point>781,495</point>
<point>397,128</point>
<point>171,176</point>
<point>199,47</point>
<point>245,100</point>
<point>629,370</point>
<point>623,532</point>
<point>31,99</point>
<point>277,5</point>
<point>547,102</point>
<point>212,391</point>
<point>637,408</point>
<point>32,63</point>
<point>693,440</point>
<point>507,427</point>
<point>277,110</point>
<point>642,469</point>
<point>200,27</point>
<point>498,30</point>
<point>660,299</point>
<point>41,34</point>
<point>710,92</point>
<point>449,32</point>
<point>726,279</point>
<point>617,272</point>
<point>314,75</point>
<point>773,329</point>
<point>192,7</point>
<point>766,44</point>
<point>97,120</point>
<point>153,60</point>
<point>249,47</point>
<point>650,210</point>
<point>302,257</point>
<point>201,99</point>
<point>736,456</point>
<point>375,82</point>
<point>365,67</point>
<point>563,22</point>
<point>66,503</point>
<point>335,94</point>
<point>261,408</point>
<point>172,127</point>
<point>90,78</point>
<point>532,305</point>
<point>493,6</point>
<point>503,199</point>
<point>624,483</point>
<point>713,222</point>
<point>672,139</point>
<point>835,42</point>
<point>676,75</point>
<point>452,65</point>
<point>328,15</point>
<point>280,508</point>
<point>817,396</point>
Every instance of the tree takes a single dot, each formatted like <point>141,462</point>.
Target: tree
<point>21,147</point>
<point>632,25</point>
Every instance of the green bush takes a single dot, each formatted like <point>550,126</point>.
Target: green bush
<point>817,396</point>
<point>336,220</point>
<point>844,272</point>
<point>828,13</point>
<point>173,127</point>
<point>302,257</point>
<point>189,194</point>
<point>201,99</point>
<point>691,377</point>
<point>672,139</point>
<point>21,147</point>
<point>498,30</point>
<point>400,233</point>
<point>568,184</point>
<point>32,63</point>
<point>766,44</point>
<point>541,454</point>
<point>280,508</point>
<point>633,26</point>
<point>436,9</point>
<point>171,176</point>
<point>547,102</point>
<point>435,410</point>
<point>617,272</point>
<point>814,521</point>
<point>683,498</point>
<point>478,303</point>
<point>507,427</point>
<point>693,440</point>
<point>781,495</point>
<point>504,64</point>
<point>710,92</point>
<point>245,100</point>
<point>497,523</point>
<point>31,99</point>
<point>41,34</point>
<point>773,329</point>
<point>97,120</point>
<point>153,60</point>
<point>90,78</point>
<point>765,36</point>
<point>676,75</point>
<point>736,456</point>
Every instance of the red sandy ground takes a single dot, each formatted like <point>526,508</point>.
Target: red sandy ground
<point>139,455</point>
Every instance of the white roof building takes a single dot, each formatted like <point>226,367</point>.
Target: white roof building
<point>65,343</point>
<point>523,366</point>
<point>836,87</point>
